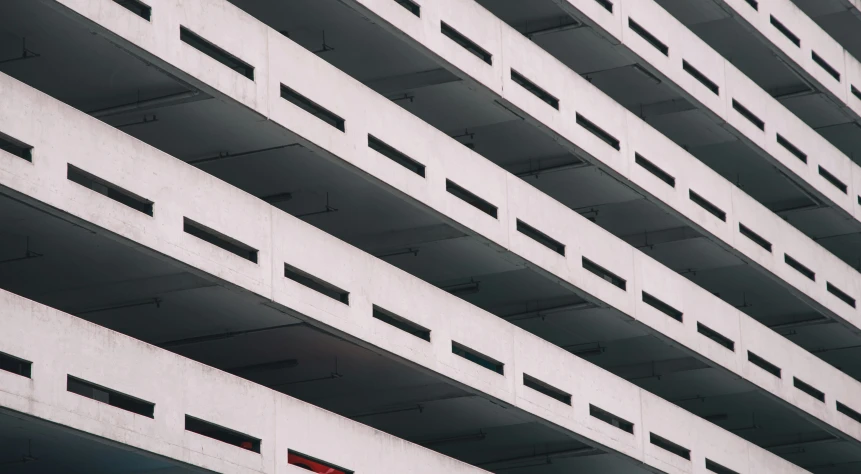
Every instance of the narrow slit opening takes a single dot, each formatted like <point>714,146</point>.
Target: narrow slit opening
<point>764,364</point>
<point>546,389</point>
<point>717,468</point>
<point>808,389</point>
<point>411,6</point>
<point>824,65</point>
<point>711,208</point>
<point>756,238</point>
<point>138,8</point>
<point>15,147</point>
<point>466,43</point>
<point>849,412</point>
<point>313,464</point>
<point>120,195</point>
<point>380,147</point>
<point>401,323</point>
<point>540,237</point>
<point>650,38</point>
<point>197,42</point>
<point>842,296</point>
<point>607,4</point>
<point>316,284</point>
<point>225,435</point>
<point>833,180</point>
<point>530,86</point>
<point>597,131</point>
<point>611,419</point>
<point>742,110</point>
<point>219,240</point>
<point>477,358</point>
<point>753,3</point>
<point>668,445</point>
<point>605,274</point>
<point>855,92</point>
<point>655,170</point>
<point>710,85</point>
<point>15,365</point>
<point>470,198</point>
<point>797,266</point>
<point>783,29</point>
<point>716,336</point>
<point>110,397</point>
<point>791,148</point>
<point>311,107</point>
<point>662,307</point>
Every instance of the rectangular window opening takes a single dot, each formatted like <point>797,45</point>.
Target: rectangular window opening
<point>15,147</point>
<point>753,3</point>
<point>313,464</point>
<point>849,412</point>
<point>650,38</point>
<point>795,264</point>
<point>662,307</point>
<point>311,107</point>
<point>220,240</point>
<point>717,468</point>
<point>700,77</point>
<point>833,179</point>
<point>466,43</point>
<point>120,195</point>
<point>380,147</point>
<point>216,53</point>
<point>546,389</point>
<point>611,419</point>
<point>711,208</point>
<point>715,336</point>
<point>470,198</point>
<point>225,435</point>
<point>840,294</point>
<point>598,132</point>
<point>855,92</point>
<point>791,148</point>
<point>534,89</point>
<point>824,65</point>
<point>668,445</point>
<point>540,237</point>
<point>756,238</point>
<point>110,397</point>
<point>401,323</point>
<point>607,4</point>
<point>605,274</point>
<point>763,364</point>
<point>412,6</point>
<point>808,389</point>
<point>138,8</point>
<point>742,110</point>
<point>653,168</point>
<point>316,284</point>
<point>10,363</point>
<point>783,29</point>
<point>477,358</point>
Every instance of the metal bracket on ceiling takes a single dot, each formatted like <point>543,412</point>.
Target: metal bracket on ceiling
<point>25,54</point>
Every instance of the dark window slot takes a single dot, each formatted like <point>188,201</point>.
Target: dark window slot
<point>790,35</point>
<point>220,240</point>
<point>799,267</point>
<point>15,365</point>
<point>470,198</point>
<point>668,445</point>
<point>662,307</point>
<point>607,4</point>
<point>833,179</point>
<point>824,65</point>
<point>313,464</point>
<point>711,208</point>
<point>840,294</point>
<point>466,43</point>
<point>849,412</point>
<point>534,89</point>
<point>477,358</point>
<point>413,7</point>
<point>611,419</point>
<point>808,389</point>
<point>792,148</point>
<point>753,3</point>
<point>597,131</point>
<point>715,467</point>
<point>756,238</point>
<point>764,364</point>
<point>216,53</point>
<point>700,77</point>
<point>396,156</point>
<point>110,397</point>
<point>138,8</point>
<point>540,237</point>
<point>15,147</point>
<point>742,110</point>
<point>79,176</point>
<point>210,430</point>
<point>546,389</point>
<point>855,92</point>
<point>316,284</point>
<point>716,336</point>
<point>311,107</point>
<point>605,274</point>
<point>650,38</point>
<point>401,323</point>
<point>653,168</point>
